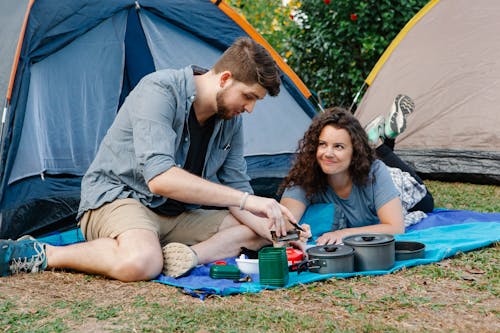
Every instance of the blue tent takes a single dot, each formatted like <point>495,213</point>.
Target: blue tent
<point>75,63</point>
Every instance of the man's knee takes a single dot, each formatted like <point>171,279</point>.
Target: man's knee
<point>138,266</point>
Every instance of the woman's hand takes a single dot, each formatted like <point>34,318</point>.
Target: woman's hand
<point>306,234</point>
<point>301,244</point>
<point>332,237</point>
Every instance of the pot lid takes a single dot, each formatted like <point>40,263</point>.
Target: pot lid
<point>368,239</point>
<point>330,251</point>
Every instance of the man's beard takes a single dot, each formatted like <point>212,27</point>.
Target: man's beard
<point>222,109</point>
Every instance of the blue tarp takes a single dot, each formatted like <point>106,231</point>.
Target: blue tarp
<point>444,233</point>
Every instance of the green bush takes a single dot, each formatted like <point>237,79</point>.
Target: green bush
<point>332,44</point>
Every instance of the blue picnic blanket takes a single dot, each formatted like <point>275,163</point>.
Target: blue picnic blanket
<point>444,233</point>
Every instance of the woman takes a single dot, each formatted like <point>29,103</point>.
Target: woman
<point>336,164</point>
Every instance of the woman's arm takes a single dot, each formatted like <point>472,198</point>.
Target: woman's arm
<point>391,222</point>
<point>296,207</point>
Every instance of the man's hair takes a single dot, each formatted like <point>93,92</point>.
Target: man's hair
<point>249,62</point>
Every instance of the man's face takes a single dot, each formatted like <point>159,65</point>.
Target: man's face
<point>237,97</point>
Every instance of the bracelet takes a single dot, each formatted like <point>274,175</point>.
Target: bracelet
<point>243,201</point>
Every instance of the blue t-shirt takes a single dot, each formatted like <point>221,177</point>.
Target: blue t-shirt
<point>360,208</point>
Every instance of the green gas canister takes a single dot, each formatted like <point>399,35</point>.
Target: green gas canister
<point>273,266</point>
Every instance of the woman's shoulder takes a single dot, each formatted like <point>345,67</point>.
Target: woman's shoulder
<point>379,172</point>
<point>378,166</point>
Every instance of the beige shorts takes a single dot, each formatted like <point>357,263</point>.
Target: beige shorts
<point>112,219</point>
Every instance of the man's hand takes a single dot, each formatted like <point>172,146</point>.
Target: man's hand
<point>276,214</point>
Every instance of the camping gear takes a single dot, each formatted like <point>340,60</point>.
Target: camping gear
<point>291,235</point>
<point>465,231</point>
<point>294,255</point>
<point>73,67</point>
<point>333,258</point>
<point>406,250</point>
<point>225,272</point>
<point>372,251</point>
<point>446,60</point>
<point>273,266</point>
<point>296,226</point>
<point>248,266</point>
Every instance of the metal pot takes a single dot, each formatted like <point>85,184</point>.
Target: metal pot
<point>328,259</point>
<point>409,250</point>
<point>372,252</point>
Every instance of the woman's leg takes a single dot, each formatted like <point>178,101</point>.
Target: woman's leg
<point>385,153</point>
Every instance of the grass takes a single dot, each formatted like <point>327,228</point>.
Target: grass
<point>456,295</point>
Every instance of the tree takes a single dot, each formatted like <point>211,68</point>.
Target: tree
<point>331,44</point>
<point>267,17</point>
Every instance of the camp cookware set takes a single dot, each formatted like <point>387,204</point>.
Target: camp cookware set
<point>372,251</point>
<point>361,252</point>
<point>409,250</point>
<point>328,259</point>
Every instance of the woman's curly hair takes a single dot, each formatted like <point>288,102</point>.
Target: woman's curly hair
<point>307,173</point>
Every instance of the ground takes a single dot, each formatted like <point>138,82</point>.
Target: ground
<point>453,295</point>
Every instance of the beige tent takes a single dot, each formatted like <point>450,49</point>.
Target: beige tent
<point>448,59</point>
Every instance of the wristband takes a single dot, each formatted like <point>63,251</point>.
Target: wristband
<point>243,201</point>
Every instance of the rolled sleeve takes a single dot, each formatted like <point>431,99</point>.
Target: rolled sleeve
<point>384,188</point>
<point>296,193</point>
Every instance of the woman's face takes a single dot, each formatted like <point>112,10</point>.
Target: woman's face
<point>334,152</point>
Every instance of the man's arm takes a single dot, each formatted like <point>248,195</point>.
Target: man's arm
<point>181,185</point>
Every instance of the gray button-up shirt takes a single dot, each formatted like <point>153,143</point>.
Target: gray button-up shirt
<point>150,135</point>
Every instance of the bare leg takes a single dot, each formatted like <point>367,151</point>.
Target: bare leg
<point>228,241</point>
<point>134,255</point>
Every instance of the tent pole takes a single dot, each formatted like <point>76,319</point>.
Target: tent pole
<point>357,96</point>
<point>4,117</point>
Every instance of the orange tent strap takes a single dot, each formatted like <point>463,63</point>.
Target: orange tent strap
<point>259,39</point>
<point>18,51</point>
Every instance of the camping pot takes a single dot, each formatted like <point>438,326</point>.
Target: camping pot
<point>409,250</point>
<point>332,258</point>
<point>372,252</point>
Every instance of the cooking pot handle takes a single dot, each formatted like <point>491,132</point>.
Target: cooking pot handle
<point>304,265</point>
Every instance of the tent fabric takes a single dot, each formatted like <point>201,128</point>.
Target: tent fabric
<point>12,19</point>
<point>78,62</point>
<point>447,61</point>
<point>88,67</point>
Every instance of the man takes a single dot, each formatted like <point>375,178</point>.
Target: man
<point>175,144</point>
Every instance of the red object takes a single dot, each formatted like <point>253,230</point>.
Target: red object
<point>354,17</point>
<point>326,1</point>
<point>294,255</point>
<point>220,262</point>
